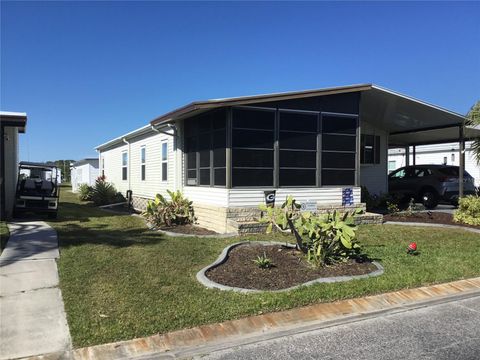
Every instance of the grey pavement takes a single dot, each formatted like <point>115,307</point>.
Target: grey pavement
<point>444,331</point>
<point>32,314</point>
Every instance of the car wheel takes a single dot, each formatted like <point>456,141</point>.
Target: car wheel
<point>429,199</point>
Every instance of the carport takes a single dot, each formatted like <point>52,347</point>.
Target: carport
<point>410,122</point>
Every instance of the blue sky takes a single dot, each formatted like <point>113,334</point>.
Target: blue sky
<point>87,72</point>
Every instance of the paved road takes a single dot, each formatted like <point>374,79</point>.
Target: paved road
<point>445,331</point>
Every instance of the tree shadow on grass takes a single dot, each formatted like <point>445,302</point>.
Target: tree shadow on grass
<point>103,234</point>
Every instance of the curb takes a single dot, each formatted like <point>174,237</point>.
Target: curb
<point>204,280</point>
<point>445,226</point>
<point>208,338</point>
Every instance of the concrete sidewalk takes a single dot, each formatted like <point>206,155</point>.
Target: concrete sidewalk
<point>33,319</point>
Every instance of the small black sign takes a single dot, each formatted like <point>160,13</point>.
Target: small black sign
<point>270,198</point>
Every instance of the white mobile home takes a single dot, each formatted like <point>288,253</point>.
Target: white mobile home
<point>446,154</point>
<point>84,171</point>
<point>317,145</point>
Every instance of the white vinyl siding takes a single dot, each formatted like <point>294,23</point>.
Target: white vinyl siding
<point>324,196</point>
<point>374,176</point>
<point>83,174</point>
<point>153,183</point>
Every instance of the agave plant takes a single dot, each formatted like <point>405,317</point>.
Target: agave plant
<point>104,193</point>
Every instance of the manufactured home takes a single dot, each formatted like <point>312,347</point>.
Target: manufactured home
<point>84,171</point>
<point>320,146</point>
<point>446,154</point>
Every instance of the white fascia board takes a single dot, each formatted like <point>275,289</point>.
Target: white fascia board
<point>12,113</point>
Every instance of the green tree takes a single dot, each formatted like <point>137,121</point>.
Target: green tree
<point>473,119</point>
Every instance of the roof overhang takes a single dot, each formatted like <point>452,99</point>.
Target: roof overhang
<point>197,107</point>
<point>14,119</point>
<point>404,118</point>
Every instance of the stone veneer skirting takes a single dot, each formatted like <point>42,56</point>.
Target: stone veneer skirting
<point>245,219</point>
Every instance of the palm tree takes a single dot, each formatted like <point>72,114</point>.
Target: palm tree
<point>473,119</point>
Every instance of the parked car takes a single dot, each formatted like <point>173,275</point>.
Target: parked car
<point>37,189</point>
<point>429,184</point>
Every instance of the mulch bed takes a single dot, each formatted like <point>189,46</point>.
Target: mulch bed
<point>189,229</point>
<point>433,217</point>
<point>290,268</point>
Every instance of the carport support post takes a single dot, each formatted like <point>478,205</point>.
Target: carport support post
<point>462,161</point>
<point>407,155</point>
<point>414,155</point>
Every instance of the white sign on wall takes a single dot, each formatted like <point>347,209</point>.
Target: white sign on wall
<point>309,205</point>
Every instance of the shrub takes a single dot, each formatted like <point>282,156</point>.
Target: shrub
<point>376,202</point>
<point>85,192</point>
<point>176,211</point>
<point>468,211</point>
<point>324,238</point>
<point>104,193</point>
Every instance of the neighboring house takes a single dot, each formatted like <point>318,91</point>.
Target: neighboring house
<point>84,171</point>
<point>436,154</point>
<point>316,145</point>
<point>12,124</point>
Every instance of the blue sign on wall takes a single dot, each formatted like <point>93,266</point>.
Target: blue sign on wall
<point>347,197</point>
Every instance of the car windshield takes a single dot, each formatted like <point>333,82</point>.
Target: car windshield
<point>37,181</point>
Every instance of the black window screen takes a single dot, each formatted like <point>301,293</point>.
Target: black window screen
<point>253,136</point>
<point>297,141</point>
<point>285,148</point>
<point>339,145</point>
<point>205,143</point>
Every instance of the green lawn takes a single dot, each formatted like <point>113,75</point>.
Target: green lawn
<point>4,234</point>
<point>121,281</point>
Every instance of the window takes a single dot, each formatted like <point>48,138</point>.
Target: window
<point>392,165</point>
<point>271,147</point>
<point>124,165</point>
<point>338,149</point>
<point>253,136</point>
<point>370,149</point>
<point>298,148</point>
<point>453,158</point>
<point>399,174</point>
<point>142,162</point>
<point>205,154</point>
<point>444,160</point>
<point>164,161</point>
<point>102,164</point>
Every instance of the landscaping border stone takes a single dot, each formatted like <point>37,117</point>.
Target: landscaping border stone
<point>204,280</point>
